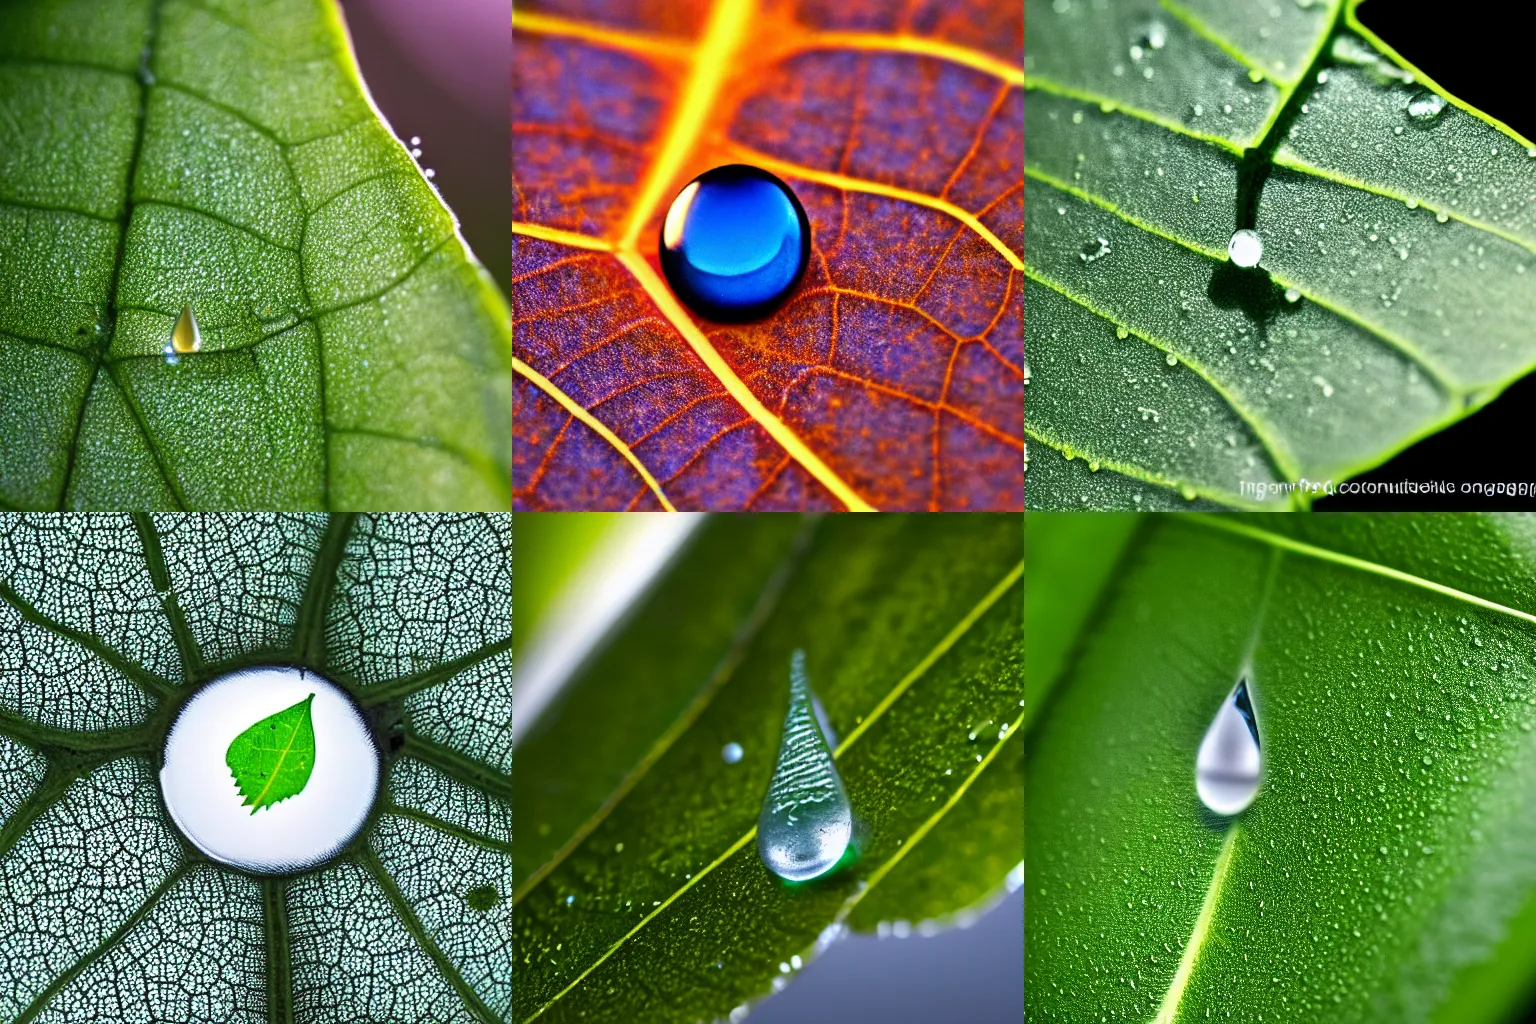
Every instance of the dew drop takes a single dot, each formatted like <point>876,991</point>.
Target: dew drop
<point>806,822</point>
<point>1122,333</point>
<point>1171,359</point>
<point>185,336</point>
<point>731,753</point>
<point>1293,295</point>
<point>1227,767</point>
<point>1425,105</point>
<point>1245,248</point>
<point>1096,249</point>
<point>735,242</point>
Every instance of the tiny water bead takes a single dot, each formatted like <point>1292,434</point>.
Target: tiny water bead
<point>1425,106</point>
<point>1246,248</point>
<point>806,822</point>
<point>735,243</point>
<point>276,740</point>
<point>185,336</point>
<point>731,753</point>
<point>1228,766</point>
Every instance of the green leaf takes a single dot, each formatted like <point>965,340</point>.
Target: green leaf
<point>223,155</point>
<point>107,622</point>
<point>1393,298</point>
<point>1383,871</point>
<point>273,759</point>
<point>640,864</point>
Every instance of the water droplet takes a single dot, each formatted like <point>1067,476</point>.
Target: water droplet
<point>1246,248</point>
<point>731,753</point>
<point>1293,295</point>
<point>1171,359</point>
<point>185,336</point>
<point>1122,333</point>
<point>1442,217</point>
<point>1425,105</point>
<point>806,822</point>
<point>415,140</point>
<point>1093,250</point>
<point>735,243</point>
<point>1227,767</point>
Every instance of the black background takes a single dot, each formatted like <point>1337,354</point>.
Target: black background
<point>1471,55</point>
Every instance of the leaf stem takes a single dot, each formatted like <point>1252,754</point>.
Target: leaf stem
<point>309,630</point>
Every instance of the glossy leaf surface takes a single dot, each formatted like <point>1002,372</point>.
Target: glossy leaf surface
<point>641,894</point>
<point>1380,873</point>
<point>892,377</point>
<point>108,913</point>
<point>1394,295</point>
<point>273,759</point>
<point>225,155</point>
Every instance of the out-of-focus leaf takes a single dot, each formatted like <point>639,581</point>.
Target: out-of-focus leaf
<point>641,895</point>
<point>1380,872</point>
<point>893,378</point>
<point>1393,298</point>
<point>224,154</point>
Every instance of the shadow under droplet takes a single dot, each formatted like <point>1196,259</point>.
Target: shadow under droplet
<point>1249,290</point>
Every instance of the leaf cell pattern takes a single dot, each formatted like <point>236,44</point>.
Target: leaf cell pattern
<point>1393,295</point>
<point>107,913</point>
<point>893,378</point>
<point>224,153</point>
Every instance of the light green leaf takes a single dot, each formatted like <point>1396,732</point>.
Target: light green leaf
<point>273,759</point>
<point>1380,873</point>
<point>1393,298</point>
<point>224,155</point>
<point>640,863</point>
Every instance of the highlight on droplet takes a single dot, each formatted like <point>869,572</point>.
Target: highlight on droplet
<point>806,823</point>
<point>1228,767</point>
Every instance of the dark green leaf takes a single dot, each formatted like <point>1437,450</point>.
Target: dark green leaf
<point>641,895</point>
<point>1394,295</point>
<point>224,155</point>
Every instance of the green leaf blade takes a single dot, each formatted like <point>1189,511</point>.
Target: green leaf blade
<point>354,353</point>
<point>911,633</point>
<point>274,758</point>
<point>1392,298</point>
<point>1387,850</point>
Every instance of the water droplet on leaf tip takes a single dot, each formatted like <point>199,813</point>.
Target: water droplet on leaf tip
<point>185,335</point>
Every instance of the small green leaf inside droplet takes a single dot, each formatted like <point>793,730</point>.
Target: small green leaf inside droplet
<point>482,897</point>
<point>273,759</point>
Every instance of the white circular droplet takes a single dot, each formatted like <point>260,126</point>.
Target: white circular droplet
<point>1246,248</point>
<point>731,753</point>
<point>295,833</point>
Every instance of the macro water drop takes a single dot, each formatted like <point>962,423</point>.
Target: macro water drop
<point>735,243</point>
<point>731,753</point>
<point>1246,248</point>
<point>185,336</point>
<point>1228,764</point>
<point>806,823</point>
<point>1425,105</point>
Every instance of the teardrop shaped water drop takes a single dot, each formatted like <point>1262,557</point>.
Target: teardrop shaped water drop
<point>806,822</point>
<point>185,336</point>
<point>1227,767</point>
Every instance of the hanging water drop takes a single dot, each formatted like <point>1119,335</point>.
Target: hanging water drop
<point>806,822</point>
<point>1245,248</point>
<point>185,336</point>
<point>735,243</point>
<point>1227,767</point>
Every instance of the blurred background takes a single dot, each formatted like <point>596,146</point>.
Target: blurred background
<point>441,71</point>
<point>573,576</point>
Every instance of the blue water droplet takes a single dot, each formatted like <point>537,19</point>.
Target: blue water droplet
<point>735,243</point>
<point>1227,769</point>
<point>731,753</point>
<point>806,822</point>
